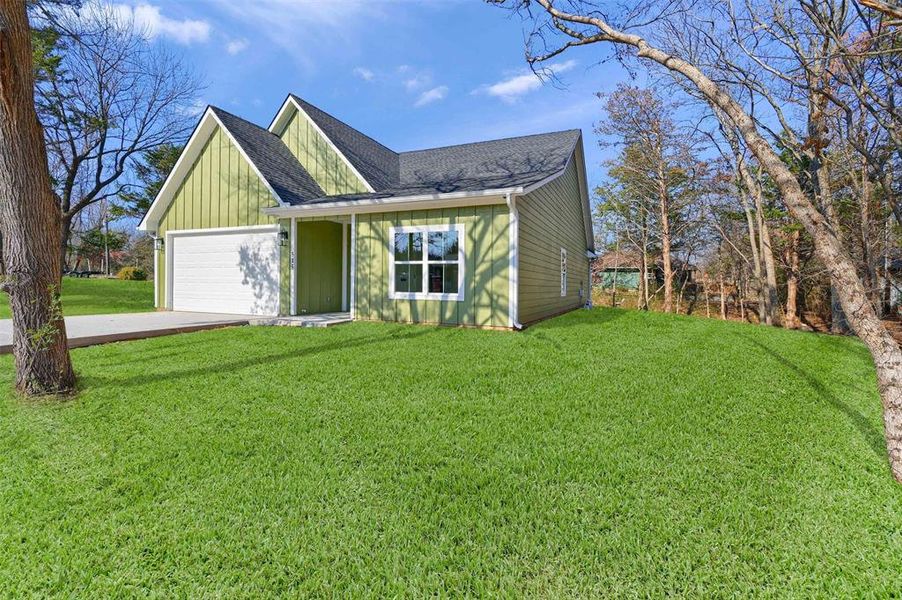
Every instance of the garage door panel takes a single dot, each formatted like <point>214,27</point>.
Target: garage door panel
<point>233,272</point>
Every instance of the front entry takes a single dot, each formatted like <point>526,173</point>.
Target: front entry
<point>321,264</point>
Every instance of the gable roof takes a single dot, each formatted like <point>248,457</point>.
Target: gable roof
<point>267,156</point>
<point>275,162</point>
<point>376,163</point>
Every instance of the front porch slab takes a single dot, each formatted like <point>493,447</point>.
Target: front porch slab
<point>317,320</point>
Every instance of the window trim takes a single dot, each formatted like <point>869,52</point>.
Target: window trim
<point>563,272</point>
<point>425,230</point>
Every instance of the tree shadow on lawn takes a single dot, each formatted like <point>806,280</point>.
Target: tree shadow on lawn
<point>255,360</point>
<point>871,435</point>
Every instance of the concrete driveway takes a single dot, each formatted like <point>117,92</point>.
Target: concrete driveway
<point>88,330</point>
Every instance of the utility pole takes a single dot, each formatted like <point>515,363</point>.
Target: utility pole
<point>106,239</point>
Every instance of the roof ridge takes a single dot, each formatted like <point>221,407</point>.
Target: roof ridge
<point>328,114</point>
<point>504,139</point>
<point>234,116</point>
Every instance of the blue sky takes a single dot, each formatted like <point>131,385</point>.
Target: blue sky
<point>412,74</point>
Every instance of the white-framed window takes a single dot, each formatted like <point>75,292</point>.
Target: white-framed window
<point>426,262</point>
<point>563,272</point>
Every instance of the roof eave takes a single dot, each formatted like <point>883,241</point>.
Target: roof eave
<point>394,203</point>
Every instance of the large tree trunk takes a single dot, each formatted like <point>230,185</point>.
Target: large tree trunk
<point>29,220</point>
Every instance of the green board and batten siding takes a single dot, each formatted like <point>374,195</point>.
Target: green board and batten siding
<point>486,275</point>
<point>220,190</point>
<point>552,218</point>
<point>318,157</point>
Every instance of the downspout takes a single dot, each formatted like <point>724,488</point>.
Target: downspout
<point>513,262</point>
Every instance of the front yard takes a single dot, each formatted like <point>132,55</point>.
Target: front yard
<point>608,453</point>
<point>99,296</point>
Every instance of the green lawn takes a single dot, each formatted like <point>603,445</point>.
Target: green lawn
<point>604,453</point>
<point>99,296</point>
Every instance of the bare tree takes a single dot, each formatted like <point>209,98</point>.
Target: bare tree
<point>662,163</point>
<point>111,96</point>
<point>28,220</point>
<point>676,36</point>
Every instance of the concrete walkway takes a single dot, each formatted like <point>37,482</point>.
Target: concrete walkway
<point>315,320</point>
<point>99,329</point>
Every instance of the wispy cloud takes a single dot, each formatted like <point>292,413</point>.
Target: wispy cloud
<point>364,73</point>
<point>417,81</point>
<point>295,25</point>
<point>512,88</point>
<point>432,95</point>
<point>153,22</point>
<point>237,46</point>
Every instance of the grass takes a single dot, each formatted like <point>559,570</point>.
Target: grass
<point>99,296</point>
<point>603,453</point>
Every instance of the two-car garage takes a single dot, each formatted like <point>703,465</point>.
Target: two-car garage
<point>233,271</point>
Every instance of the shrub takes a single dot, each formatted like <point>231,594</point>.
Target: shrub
<point>131,274</point>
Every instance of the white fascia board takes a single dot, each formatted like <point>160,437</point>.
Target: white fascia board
<point>195,145</point>
<point>424,202</point>
<point>281,120</point>
<point>584,190</point>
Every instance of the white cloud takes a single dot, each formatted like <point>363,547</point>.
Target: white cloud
<point>418,81</point>
<point>433,95</point>
<point>148,18</point>
<point>364,73</point>
<point>237,46</point>
<point>511,89</point>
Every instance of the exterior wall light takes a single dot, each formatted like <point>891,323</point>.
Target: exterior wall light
<point>283,238</point>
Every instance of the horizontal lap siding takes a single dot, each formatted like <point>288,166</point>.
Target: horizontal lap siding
<point>551,218</point>
<point>317,156</point>
<point>486,274</point>
<point>220,190</point>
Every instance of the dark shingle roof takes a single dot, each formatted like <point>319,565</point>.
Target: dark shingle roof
<point>273,159</point>
<point>509,162</point>
<point>496,164</point>
<point>377,163</point>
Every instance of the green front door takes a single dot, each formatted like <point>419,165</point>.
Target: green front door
<point>319,267</point>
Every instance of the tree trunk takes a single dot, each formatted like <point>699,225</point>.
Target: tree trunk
<point>29,220</point>
<point>665,244</point>
<point>771,301</point>
<point>65,233</point>
<point>723,297</point>
<point>792,281</point>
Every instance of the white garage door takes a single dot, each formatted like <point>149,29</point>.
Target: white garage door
<point>232,272</point>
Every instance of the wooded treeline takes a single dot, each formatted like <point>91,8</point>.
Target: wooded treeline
<point>681,195</point>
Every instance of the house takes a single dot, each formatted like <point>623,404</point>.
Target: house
<point>626,267</point>
<point>312,216</point>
